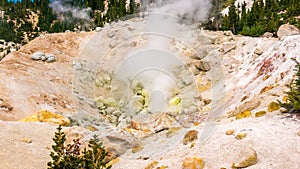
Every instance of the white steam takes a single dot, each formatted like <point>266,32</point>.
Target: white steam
<point>164,18</point>
<point>194,10</point>
<point>65,11</point>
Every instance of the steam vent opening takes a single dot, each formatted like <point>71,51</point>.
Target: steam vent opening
<point>144,84</point>
<point>157,101</point>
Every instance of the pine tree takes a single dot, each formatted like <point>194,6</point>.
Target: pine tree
<point>233,18</point>
<point>132,7</point>
<point>292,105</point>
<point>122,8</point>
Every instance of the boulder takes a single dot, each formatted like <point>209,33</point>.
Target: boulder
<point>43,58</point>
<point>258,51</point>
<point>229,132</point>
<point>268,35</point>
<point>37,55</point>
<point>200,54</point>
<point>243,114</point>
<point>228,46</point>
<point>287,30</point>
<point>202,65</point>
<point>51,59</point>
<point>193,163</point>
<point>246,158</point>
<point>98,29</point>
<point>260,113</point>
<point>273,106</point>
<point>190,136</point>
<point>240,136</point>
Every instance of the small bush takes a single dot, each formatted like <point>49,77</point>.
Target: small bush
<point>292,105</point>
<point>70,156</point>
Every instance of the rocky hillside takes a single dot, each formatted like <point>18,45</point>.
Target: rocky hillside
<point>28,85</point>
<point>222,108</point>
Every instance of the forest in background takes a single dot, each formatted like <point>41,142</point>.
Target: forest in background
<point>17,23</point>
<point>263,16</point>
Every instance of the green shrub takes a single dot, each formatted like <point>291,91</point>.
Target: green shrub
<point>292,105</point>
<point>70,156</point>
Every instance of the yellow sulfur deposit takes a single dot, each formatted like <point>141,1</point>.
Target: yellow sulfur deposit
<point>243,115</point>
<point>273,106</point>
<point>240,136</point>
<point>151,165</point>
<point>175,101</point>
<point>48,117</point>
<point>260,113</point>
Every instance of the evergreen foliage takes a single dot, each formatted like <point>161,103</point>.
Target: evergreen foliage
<point>292,105</point>
<point>263,16</point>
<point>17,23</point>
<point>70,156</point>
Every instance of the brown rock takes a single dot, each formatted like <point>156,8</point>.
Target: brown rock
<point>5,106</point>
<point>207,101</point>
<point>266,88</point>
<point>202,65</point>
<point>193,163</point>
<point>27,140</point>
<point>229,132</point>
<point>246,158</point>
<point>151,165</point>
<point>190,136</point>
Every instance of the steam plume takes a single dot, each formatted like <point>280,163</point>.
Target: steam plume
<point>72,14</point>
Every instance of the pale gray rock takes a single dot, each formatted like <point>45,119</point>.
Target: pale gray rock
<point>258,51</point>
<point>287,30</point>
<point>98,29</point>
<point>37,55</point>
<point>268,35</point>
<point>51,59</point>
<point>44,58</point>
<point>49,55</point>
<point>228,46</point>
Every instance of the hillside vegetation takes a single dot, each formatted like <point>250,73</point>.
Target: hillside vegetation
<point>22,21</point>
<point>263,16</point>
